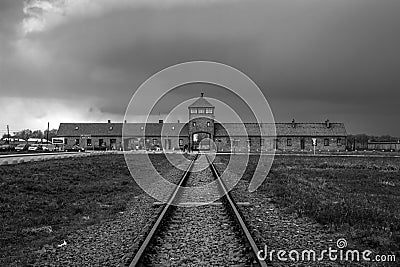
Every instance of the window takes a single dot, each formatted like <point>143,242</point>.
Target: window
<point>193,110</point>
<point>339,142</point>
<point>154,141</point>
<point>194,124</point>
<point>326,142</point>
<point>65,141</point>
<point>77,141</point>
<point>101,141</point>
<point>209,110</point>
<point>180,142</point>
<point>208,124</point>
<point>201,111</point>
<point>89,142</point>
<point>289,142</point>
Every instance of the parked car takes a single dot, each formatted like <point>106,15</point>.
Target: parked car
<point>7,147</point>
<point>48,147</point>
<point>35,147</point>
<point>22,147</point>
<point>75,148</point>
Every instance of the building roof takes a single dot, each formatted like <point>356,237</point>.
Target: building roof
<point>115,129</point>
<point>181,129</point>
<point>282,129</point>
<point>155,129</point>
<point>201,102</point>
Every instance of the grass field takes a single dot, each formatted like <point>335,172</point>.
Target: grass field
<point>41,203</point>
<point>358,196</point>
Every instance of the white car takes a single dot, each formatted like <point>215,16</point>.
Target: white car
<point>35,147</point>
<point>22,147</point>
<point>48,147</point>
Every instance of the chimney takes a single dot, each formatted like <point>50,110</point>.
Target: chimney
<point>160,121</point>
<point>328,124</point>
<point>178,121</point>
<point>109,121</point>
<point>293,123</point>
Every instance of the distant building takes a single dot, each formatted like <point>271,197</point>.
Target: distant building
<point>384,145</point>
<point>201,128</point>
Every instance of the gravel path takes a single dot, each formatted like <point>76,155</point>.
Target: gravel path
<point>198,236</point>
<point>102,244</point>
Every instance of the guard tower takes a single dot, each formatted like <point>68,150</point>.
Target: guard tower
<point>201,124</point>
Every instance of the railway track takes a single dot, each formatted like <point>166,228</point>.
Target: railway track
<point>213,234</point>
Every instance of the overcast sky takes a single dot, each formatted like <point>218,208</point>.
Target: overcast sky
<point>82,60</point>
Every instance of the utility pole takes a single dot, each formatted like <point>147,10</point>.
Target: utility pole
<point>48,127</point>
<point>8,134</point>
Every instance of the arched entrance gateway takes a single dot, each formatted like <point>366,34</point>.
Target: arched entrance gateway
<point>201,124</point>
<point>201,141</point>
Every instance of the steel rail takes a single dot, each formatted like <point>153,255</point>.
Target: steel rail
<point>138,256</point>
<point>238,217</point>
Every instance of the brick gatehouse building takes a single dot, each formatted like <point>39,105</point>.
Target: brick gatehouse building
<point>200,129</point>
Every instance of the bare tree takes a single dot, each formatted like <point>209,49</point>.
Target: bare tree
<point>24,134</point>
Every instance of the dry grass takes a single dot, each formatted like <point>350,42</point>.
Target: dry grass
<point>41,203</point>
<point>359,196</point>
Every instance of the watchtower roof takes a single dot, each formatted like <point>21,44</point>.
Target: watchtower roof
<point>201,102</point>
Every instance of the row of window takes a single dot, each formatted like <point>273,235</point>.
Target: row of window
<point>194,124</point>
<point>233,141</point>
<point>155,141</point>
<point>289,142</point>
<point>201,110</point>
<point>326,141</point>
<point>89,142</point>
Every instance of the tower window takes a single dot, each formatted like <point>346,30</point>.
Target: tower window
<point>193,110</point>
<point>201,111</point>
<point>209,110</point>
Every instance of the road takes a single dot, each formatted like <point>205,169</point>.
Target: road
<point>21,158</point>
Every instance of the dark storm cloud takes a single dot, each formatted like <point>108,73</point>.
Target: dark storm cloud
<point>312,59</point>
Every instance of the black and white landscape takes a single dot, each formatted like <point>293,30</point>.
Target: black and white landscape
<point>98,170</point>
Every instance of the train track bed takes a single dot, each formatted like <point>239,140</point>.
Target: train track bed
<point>198,235</point>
